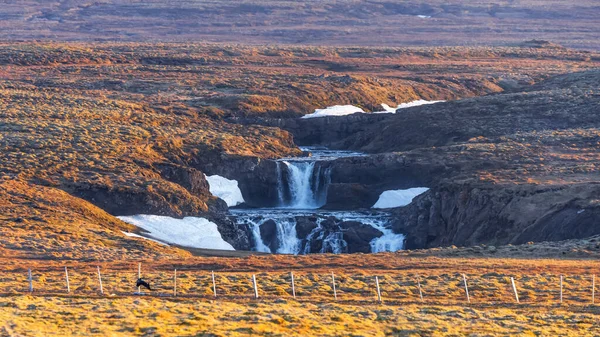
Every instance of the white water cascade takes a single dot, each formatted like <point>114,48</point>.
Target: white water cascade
<point>304,187</point>
<point>302,184</point>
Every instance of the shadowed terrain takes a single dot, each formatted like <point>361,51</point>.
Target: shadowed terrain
<point>312,22</point>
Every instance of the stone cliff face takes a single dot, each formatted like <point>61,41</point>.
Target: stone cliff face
<point>470,215</point>
<point>322,130</point>
<point>506,168</point>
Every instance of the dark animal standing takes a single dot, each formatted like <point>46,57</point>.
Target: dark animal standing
<point>142,283</point>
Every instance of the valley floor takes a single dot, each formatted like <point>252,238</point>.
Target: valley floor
<point>444,310</point>
<point>59,316</point>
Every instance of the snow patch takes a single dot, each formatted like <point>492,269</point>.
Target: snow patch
<point>188,232</point>
<point>389,109</point>
<point>424,16</point>
<point>398,198</point>
<point>342,110</point>
<point>225,189</point>
<point>337,110</point>
<point>133,235</point>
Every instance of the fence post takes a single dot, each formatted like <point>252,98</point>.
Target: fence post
<point>593,288</point>
<point>139,276</point>
<point>378,292</point>
<point>100,281</point>
<point>333,284</point>
<point>419,284</point>
<point>561,289</point>
<point>67,279</point>
<point>293,286</point>
<point>254,285</point>
<point>466,288</point>
<point>175,283</point>
<point>30,281</point>
<point>214,284</point>
<point>512,280</point>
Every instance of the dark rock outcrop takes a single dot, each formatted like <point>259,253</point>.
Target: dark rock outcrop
<point>268,233</point>
<point>350,196</point>
<point>358,236</point>
<point>322,130</point>
<point>470,215</point>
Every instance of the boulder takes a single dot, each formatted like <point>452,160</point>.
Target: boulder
<point>268,233</point>
<point>358,236</point>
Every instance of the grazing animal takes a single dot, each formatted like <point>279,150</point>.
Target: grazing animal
<point>142,283</point>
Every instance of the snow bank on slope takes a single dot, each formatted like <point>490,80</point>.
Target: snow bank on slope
<point>389,109</point>
<point>188,232</point>
<point>337,110</point>
<point>342,110</point>
<point>398,198</point>
<point>225,189</point>
<point>133,235</point>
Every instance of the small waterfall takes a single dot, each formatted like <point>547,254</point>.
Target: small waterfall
<point>334,243</point>
<point>258,241</point>
<point>280,192</point>
<point>302,186</point>
<point>389,242</point>
<point>326,234</point>
<point>287,237</point>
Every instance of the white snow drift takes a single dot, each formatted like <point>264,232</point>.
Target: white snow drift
<point>398,198</point>
<point>342,110</point>
<point>133,235</point>
<point>419,102</point>
<point>337,110</point>
<point>225,189</point>
<point>188,232</point>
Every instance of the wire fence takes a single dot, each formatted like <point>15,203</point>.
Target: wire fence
<point>452,288</point>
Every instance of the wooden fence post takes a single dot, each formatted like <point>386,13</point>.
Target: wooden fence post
<point>67,279</point>
<point>175,283</point>
<point>333,284</point>
<point>561,289</point>
<point>100,281</point>
<point>293,286</point>
<point>420,291</point>
<point>139,276</point>
<point>593,288</point>
<point>378,292</point>
<point>466,288</point>
<point>30,281</point>
<point>214,284</point>
<point>254,285</point>
<point>512,280</point>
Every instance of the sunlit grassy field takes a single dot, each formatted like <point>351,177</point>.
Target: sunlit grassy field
<point>195,311</point>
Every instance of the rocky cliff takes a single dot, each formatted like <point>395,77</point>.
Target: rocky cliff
<point>505,168</point>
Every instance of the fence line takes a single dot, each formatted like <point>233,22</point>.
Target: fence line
<point>396,287</point>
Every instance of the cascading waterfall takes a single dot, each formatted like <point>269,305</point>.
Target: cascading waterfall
<point>323,238</point>
<point>301,189</point>
<point>304,187</point>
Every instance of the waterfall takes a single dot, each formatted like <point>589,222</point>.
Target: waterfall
<point>334,243</point>
<point>259,245</point>
<point>297,226</point>
<point>306,187</point>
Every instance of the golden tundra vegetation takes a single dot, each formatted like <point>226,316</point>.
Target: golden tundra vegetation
<point>83,123</point>
<point>194,311</point>
<point>128,124</point>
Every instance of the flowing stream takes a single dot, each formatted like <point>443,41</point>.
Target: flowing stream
<point>298,226</point>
